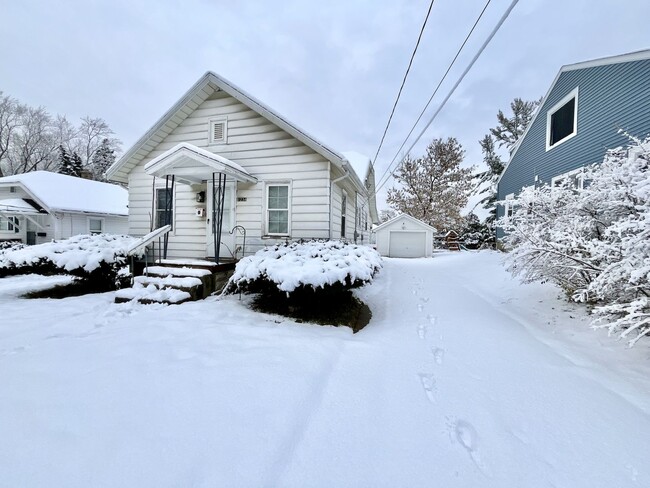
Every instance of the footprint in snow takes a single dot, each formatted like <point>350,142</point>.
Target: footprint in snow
<point>422,331</point>
<point>432,319</point>
<point>424,299</point>
<point>465,434</point>
<point>420,307</point>
<point>429,385</point>
<point>438,354</point>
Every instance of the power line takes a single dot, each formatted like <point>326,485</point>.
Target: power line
<point>444,77</point>
<point>458,82</point>
<point>399,93</point>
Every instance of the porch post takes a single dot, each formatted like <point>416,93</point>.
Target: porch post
<point>218,196</point>
<point>169,205</point>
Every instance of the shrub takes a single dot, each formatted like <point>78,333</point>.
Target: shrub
<point>100,260</point>
<point>305,279</point>
<point>593,242</point>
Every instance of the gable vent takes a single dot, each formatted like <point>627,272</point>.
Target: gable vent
<point>218,131</point>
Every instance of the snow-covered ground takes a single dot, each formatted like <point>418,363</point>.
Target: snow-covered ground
<point>463,378</point>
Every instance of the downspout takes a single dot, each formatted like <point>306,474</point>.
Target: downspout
<point>336,180</point>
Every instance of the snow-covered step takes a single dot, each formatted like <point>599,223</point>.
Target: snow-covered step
<point>152,294</point>
<point>169,281</point>
<point>172,271</point>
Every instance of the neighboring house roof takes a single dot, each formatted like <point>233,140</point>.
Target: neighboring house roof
<point>622,58</point>
<point>63,193</point>
<point>195,96</point>
<point>404,217</point>
<point>17,206</point>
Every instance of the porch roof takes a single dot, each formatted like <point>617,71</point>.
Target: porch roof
<point>190,164</point>
<point>17,206</point>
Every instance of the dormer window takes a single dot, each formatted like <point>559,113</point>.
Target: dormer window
<point>218,131</point>
<point>562,120</point>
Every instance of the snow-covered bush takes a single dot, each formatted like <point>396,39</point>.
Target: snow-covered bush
<point>99,259</point>
<point>309,281</point>
<point>317,265</point>
<point>594,242</point>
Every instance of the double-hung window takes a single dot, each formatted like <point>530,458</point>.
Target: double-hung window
<point>277,209</point>
<point>9,224</point>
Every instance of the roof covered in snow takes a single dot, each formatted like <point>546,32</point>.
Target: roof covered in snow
<point>63,193</point>
<point>360,163</point>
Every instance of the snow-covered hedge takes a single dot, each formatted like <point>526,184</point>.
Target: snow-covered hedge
<point>98,258</point>
<point>593,242</point>
<point>323,265</point>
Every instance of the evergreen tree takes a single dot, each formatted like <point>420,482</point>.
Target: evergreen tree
<point>510,129</point>
<point>103,158</point>
<point>433,188</point>
<point>65,163</point>
<point>76,165</point>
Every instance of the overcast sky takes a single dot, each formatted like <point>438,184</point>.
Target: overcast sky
<point>332,67</point>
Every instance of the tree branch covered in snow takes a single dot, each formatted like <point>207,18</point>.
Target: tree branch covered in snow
<point>594,241</point>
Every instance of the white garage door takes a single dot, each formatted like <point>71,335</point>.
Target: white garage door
<point>407,244</point>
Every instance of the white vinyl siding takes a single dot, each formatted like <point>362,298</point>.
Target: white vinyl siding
<point>265,151</point>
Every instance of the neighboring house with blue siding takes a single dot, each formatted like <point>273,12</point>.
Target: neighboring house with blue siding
<point>579,119</point>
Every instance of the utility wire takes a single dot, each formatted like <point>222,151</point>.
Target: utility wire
<point>436,89</point>
<point>458,82</point>
<point>399,93</point>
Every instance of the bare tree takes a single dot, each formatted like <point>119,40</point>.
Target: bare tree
<point>33,147</point>
<point>433,188</point>
<point>10,115</point>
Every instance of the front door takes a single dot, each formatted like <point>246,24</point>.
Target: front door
<point>227,248</point>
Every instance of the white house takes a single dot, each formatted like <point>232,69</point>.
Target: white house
<point>220,159</point>
<point>404,237</point>
<point>40,206</point>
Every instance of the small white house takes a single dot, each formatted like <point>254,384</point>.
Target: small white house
<point>230,175</point>
<point>40,206</point>
<point>404,237</point>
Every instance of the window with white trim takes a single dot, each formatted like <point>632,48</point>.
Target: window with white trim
<point>562,120</point>
<point>95,226</point>
<point>510,207</point>
<point>575,179</point>
<point>278,198</point>
<point>218,131</point>
<point>9,224</point>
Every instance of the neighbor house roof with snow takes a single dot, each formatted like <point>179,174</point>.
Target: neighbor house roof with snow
<point>195,96</point>
<point>62,193</point>
<point>404,217</point>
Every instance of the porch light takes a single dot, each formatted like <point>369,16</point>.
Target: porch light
<point>200,197</point>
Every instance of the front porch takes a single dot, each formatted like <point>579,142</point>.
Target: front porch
<point>208,203</point>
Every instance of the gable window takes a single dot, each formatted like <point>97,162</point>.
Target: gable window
<point>344,209</point>
<point>9,224</point>
<point>164,207</point>
<point>95,226</point>
<point>562,120</point>
<point>218,131</point>
<point>277,209</point>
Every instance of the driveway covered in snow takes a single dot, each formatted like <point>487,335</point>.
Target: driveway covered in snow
<point>463,378</point>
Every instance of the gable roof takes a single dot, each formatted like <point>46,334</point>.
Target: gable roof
<point>360,163</point>
<point>63,193</point>
<point>404,217</point>
<point>195,96</point>
<point>621,58</point>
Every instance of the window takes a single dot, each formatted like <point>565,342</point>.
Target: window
<point>562,120</point>
<point>95,226</point>
<point>575,179</point>
<point>164,207</point>
<point>218,131</point>
<point>344,209</point>
<point>9,224</point>
<point>277,209</point>
<point>509,206</point>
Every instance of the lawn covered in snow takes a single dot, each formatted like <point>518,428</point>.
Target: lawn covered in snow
<point>463,378</point>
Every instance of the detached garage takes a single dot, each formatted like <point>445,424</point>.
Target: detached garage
<point>404,237</point>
